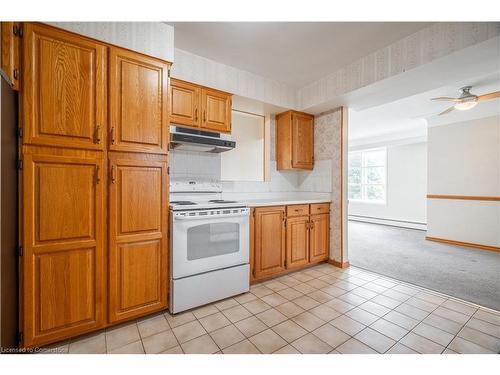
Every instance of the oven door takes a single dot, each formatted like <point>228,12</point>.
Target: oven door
<point>208,240</point>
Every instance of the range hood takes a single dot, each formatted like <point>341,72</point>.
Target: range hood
<point>187,139</point>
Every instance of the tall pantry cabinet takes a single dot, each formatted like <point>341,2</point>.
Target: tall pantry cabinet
<point>94,185</point>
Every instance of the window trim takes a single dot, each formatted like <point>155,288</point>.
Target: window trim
<point>366,201</point>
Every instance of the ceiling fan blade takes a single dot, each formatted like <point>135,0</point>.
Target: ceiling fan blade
<point>491,95</point>
<point>446,98</point>
<point>446,111</point>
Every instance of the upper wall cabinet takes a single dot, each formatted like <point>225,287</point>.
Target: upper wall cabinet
<point>64,89</point>
<point>294,141</point>
<point>195,106</point>
<point>10,35</point>
<point>138,102</point>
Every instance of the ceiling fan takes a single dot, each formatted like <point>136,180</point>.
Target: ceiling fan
<point>466,100</point>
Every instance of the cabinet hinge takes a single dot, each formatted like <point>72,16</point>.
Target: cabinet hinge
<point>20,338</point>
<point>17,31</point>
<point>20,164</point>
<point>16,74</point>
<point>20,251</point>
<point>19,132</point>
<point>168,73</point>
<point>168,171</point>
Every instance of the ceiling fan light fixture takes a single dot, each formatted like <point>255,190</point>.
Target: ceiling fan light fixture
<point>464,106</point>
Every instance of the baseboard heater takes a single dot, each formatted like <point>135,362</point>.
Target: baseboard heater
<point>391,222</point>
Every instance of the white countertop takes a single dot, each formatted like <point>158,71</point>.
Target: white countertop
<point>282,201</point>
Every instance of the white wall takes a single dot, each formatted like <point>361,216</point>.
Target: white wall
<point>464,159</point>
<point>406,186</point>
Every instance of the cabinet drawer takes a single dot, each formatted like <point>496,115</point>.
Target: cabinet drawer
<point>320,208</point>
<point>297,210</point>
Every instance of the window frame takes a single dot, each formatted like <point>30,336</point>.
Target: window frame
<point>363,184</point>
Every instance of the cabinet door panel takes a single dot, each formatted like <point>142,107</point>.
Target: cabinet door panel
<point>297,241</point>
<point>184,103</point>
<point>320,237</point>
<point>64,101</point>
<point>139,102</point>
<point>302,141</point>
<point>63,263</point>
<point>216,108</point>
<point>138,271</point>
<point>270,241</point>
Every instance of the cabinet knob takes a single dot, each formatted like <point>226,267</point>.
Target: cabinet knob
<point>98,134</point>
<point>196,114</point>
<point>112,135</point>
<point>204,116</point>
<point>113,174</point>
<point>97,174</point>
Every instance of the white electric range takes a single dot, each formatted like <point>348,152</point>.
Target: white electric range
<point>209,245</point>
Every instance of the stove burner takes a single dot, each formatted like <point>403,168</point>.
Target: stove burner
<point>183,203</point>
<point>220,201</point>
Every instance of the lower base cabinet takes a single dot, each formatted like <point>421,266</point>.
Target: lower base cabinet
<point>280,243</point>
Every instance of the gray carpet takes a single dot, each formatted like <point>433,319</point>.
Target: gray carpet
<point>404,254</point>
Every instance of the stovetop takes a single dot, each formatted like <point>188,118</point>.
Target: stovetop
<point>177,205</point>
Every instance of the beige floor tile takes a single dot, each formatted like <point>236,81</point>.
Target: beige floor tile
<point>274,299</point>
<point>401,349</point>
<point>150,326</point>
<point>227,336</point>
<point>434,334</point>
<point>340,305</point>
<point>421,344</point>
<point>214,321</point>
<point>482,339</point>
<point>132,348</point>
<point>484,327</point>
<point>446,325</point>
<point>244,298</point>
<point>430,297</point>
<point>401,320</point>
<point>329,279</point>
<point>250,326</point>
<point>311,344</point>
<point>389,329</point>
<point>463,346</point>
<point>289,281</point>
<point>267,341</point>
<point>271,317</point>
<point>356,280</point>
<point>160,342</point>
<point>320,296</point>
<point>256,306</point>
<point>205,311</point>
<point>289,349</point>
<point>411,311</point>
<point>277,286</point>
<point>374,308</point>
<point>200,345</point>
<point>317,284</point>
<point>422,305</point>
<point>333,291</point>
<point>90,344</point>
<point>406,289</point>
<point>449,351</point>
<point>306,302</point>
<point>375,340</point>
<point>352,299</point>
<point>122,335</point>
<point>175,350</point>
<point>289,293</point>
<point>384,282</point>
<point>331,335</point>
<point>236,313</point>
<point>180,319</point>
<point>362,316</point>
<point>304,288</point>
<point>343,284</point>
<point>313,273</point>
<point>375,287</point>
<point>451,315</point>
<point>189,331</point>
<point>488,317</point>
<point>353,346</point>
<point>459,307</point>
<point>226,304</point>
<point>363,292</point>
<point>261,291</point>
<point>386,301</point>
<point>290,309</point>
<point>398,296</point>
<point>243,347</point>
<point>289,330</point>
<point>308,321</point>
<point>347,324</point>
<point>301,277</point>
<point>325,313</point>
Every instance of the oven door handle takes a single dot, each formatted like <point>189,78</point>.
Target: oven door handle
<point>204,217</point>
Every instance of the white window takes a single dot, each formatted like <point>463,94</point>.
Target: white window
<point>367,175</point>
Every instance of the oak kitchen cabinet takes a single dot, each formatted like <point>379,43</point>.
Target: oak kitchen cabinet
<point>199,107</point>
<point>294,141</point>
<point>94,195</point>
<point>284,238</point>
<point>9,58</point>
